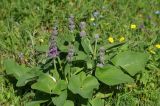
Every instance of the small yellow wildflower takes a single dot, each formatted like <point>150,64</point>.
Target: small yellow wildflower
<point>157,46</point>
<point>121,39</point>
<point>41,40</point>
<point>92,19</point>
<point>133,26</point>
<point>111,40</point>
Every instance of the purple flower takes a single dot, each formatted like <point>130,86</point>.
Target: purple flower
<point>82,25</point>
<point>71,23</point>
<point>71,27</point>
<point>53,52</point>
<point>101,57</point>
<point>96,36</point>
<point>70,55</point>
<point>82,33</point>
<point>54,33</point>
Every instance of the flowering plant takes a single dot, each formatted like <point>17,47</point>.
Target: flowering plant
<point>80,65</point>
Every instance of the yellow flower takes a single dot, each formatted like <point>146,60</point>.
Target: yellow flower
<point>121,39</point>
<point>157,46</point>
<point>111,40</point>
<point>133,26</point>
<point>92,19</point>
<point>41,40</point>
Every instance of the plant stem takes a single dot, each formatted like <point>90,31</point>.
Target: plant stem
<point>55,67</point>
<point>95,50</point>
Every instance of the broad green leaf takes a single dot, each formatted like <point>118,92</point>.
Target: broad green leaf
<point>60,86</point>
<point>21,73</point>
<point>12,68</point>
<point>112,75</point>
<point>28,76</point>
<point>83,85</point>
<point>24,79</point>
<point>35,103</point>
<point>86,45</point>
<point>132,62</point>
<point>55,74</point>
<point>45,83</point>
<point>80,56</point>
<point>97,102</point>
<point>60,100</point>
<point>68,103</point>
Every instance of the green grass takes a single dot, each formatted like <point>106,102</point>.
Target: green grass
<point>24,22</point>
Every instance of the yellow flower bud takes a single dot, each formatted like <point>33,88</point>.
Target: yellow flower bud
<point>121,39</point>
<point>133,26</point>
<point>92,19</point>
<point>157,46</point>
<point>111,40</point>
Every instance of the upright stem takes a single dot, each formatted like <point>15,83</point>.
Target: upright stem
<point>95,50</point>
<point>55,67</point>
<point>60,64</point>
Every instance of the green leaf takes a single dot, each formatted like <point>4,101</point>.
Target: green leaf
<point>111,75</point>
<point>60,100</point>
<point>35,103</point>
<point>12,68</point>
<point>83,85</point>
<point>45,83</point>
<point>60,86</point>
<point>97,102</point>
<point>21,73</point>
<point>68,103</point>
<point>86,45</point>
<point>102,95</point>
<point>132,62</point>
<point>80,56</point>
<point>76,70</point>
<point>24,79</point>
<point>28,76</point>
<point>55,74</point>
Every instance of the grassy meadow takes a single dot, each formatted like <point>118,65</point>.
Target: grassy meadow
<point>94,28</point>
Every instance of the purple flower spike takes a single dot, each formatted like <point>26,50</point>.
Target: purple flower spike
<point>53,52</point>
<point>70,55</point>
<point>96,36</point>
<point>82,33</point>
<point>71,23</point>
<point>101,57</point>
<point>82,25</point>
